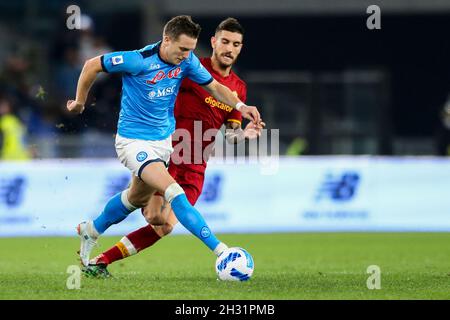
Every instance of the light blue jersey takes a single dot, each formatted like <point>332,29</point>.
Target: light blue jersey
<point>150,87</point>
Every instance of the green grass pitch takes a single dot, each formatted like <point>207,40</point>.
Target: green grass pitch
<point>287,266</point>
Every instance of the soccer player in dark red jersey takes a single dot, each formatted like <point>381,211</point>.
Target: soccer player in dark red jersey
<point>194,107</point>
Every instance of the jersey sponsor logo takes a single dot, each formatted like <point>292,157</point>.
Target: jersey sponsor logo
<point>162,75</point>
<point>141,156</point>
<point>217,104</point>
<point>162,92</point>
<point>117,60</point>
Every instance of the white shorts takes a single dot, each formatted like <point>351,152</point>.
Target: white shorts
<point>135,154</point>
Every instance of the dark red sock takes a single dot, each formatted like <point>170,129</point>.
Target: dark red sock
<point>111,255</point>
<point>140,239</point>
<point>143,238</point>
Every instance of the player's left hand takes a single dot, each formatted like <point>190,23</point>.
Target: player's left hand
<point>250,113</point>
<point>253,131</point>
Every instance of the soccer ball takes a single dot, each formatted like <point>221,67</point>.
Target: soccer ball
<point>234,264</point>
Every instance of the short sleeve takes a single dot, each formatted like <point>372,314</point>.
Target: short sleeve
<point>235,116</point>
<point>197,72</point>
<point>122,61</point>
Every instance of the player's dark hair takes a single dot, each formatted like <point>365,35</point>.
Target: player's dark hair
<point>231,25</point>
<point>182,25</point>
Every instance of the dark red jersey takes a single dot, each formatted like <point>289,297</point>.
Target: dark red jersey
<point>195,104</point>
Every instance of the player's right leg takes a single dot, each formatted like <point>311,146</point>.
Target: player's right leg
<point>161,219</point>
<point>132,153</point>
<point>116,210</point>
<point>137,240</point>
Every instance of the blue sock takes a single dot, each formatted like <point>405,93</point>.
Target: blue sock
<point>114,212</point>
<point>192,220</point>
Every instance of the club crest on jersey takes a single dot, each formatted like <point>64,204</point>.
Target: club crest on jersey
<point>161,75</point>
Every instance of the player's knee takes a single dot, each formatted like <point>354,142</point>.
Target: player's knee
<point>156,220</point>
<point>153,215</point>
<point>166,229</point>
<point>146,212</point>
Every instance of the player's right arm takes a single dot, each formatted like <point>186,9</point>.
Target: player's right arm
<point>87,77</point>
<point>122,61</point>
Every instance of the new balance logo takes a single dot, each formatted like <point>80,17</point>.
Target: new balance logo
<point>11,191</point>
<point>115,184</point>
<point>212,188</point>
<point>340,188</point>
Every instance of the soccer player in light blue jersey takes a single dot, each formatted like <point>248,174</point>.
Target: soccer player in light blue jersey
<point>151,79</point>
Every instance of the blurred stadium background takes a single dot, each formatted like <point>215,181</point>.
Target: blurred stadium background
<point>313,67</point>
<point>363,115</point>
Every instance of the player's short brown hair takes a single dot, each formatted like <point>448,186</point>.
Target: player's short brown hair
<point>231,25</point>
<point>179,25</point>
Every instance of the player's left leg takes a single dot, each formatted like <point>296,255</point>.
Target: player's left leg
<point>156,175</point>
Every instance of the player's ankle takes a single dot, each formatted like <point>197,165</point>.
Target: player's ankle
<point>91,230</point>
<point>221,247</point>
<point>100,259</point>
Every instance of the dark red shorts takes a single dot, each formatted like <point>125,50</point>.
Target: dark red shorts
<point>190,178</point>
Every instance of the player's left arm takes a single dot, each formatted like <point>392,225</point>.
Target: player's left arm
<point>224,94</point>
<point>233,132</point>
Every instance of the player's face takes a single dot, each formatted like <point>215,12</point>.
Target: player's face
<point>226,47</point>
<point>179,49</point>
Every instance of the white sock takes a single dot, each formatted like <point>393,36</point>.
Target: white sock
<point>90,229</point>
<point>221,247</point>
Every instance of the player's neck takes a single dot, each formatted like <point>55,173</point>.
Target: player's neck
<point>162,55</point>
<point>224,72</point>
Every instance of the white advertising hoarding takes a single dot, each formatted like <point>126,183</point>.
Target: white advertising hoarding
<point>46,198</point>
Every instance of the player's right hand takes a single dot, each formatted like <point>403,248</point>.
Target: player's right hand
<point>75,107</point>
<point>250,113</point>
